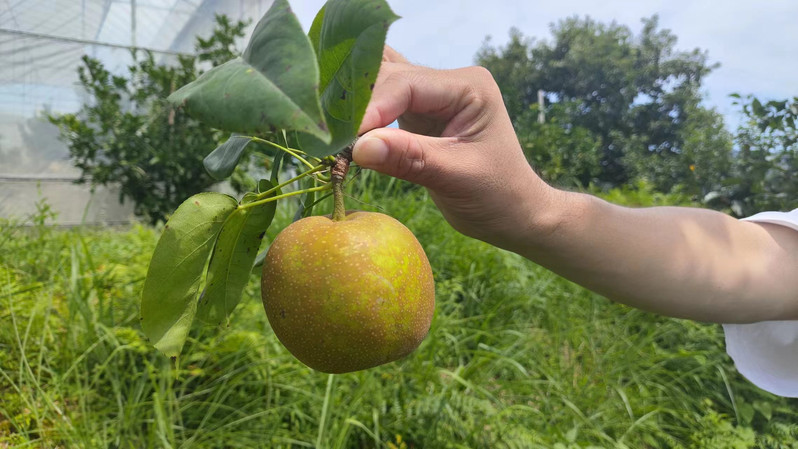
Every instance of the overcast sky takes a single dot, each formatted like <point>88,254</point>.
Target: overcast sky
<point>755,41</point>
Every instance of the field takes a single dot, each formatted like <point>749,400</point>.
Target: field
<point>517,357</point>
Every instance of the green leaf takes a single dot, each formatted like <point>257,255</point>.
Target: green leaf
<point>746,413</point>
<point>258,264</point>
<point>277,165</point>
<point>222,161</point>
<point>305,206</point>
<point>263,186</point>
<point>273,85</point>
<point>169,297</point>
<point>349,37</point>
<point>764,408</point>
<point>307,200</point>
<point>758,109</point>
<point>232,260</point>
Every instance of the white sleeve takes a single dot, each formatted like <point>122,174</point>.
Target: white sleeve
<point>766,353</point>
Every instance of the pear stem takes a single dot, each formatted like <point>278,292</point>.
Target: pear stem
<point>337,174</point>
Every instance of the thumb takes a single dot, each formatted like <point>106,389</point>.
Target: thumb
<point>413,157</point>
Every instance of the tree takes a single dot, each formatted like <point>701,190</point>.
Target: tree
<point>701,165</point>
<point>127,135</point>
<point>766,159</point>
<point>563,154</point>
<point>637,96</point>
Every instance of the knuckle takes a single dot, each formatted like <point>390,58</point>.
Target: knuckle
<point>411,160</point>
<point>394,76</point>
<point>481,73</point>
<point>479,86</point>
<point>484,79</point>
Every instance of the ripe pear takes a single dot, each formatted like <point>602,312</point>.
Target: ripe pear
<point>350,294</point>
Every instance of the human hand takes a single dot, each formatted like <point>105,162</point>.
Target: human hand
<point>456,139</point>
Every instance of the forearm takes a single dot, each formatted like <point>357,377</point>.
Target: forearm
<point>458,141</point>
<point>682,262</point>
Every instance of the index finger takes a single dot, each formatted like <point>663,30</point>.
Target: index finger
<point>391,55</point>
<point>405,88</point>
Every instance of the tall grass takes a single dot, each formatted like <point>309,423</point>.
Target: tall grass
<point>516,358</point>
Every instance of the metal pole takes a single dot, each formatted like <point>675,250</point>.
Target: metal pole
<point>85,41</point>
<point>133,23</point>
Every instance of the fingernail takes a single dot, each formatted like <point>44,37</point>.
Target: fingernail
<point>370,152</point>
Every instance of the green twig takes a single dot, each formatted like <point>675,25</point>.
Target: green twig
<point>285,195</point>
<point>291,151</point>
<point>315,169</point>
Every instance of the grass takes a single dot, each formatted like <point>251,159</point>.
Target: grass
<point>516,358</point>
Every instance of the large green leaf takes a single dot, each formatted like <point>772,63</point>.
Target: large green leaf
<point>232,260</point>
<point>274,85</point>
<point>348,36</point>
<point>222,161</point>
<point>169,297</point>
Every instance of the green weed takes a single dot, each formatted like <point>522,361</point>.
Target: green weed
<point>516,358</point>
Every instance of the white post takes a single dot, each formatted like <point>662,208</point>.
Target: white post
<point>541,107</point>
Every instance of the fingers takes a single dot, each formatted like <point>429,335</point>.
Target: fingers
<point>391,55</point>
<point>404,88</point>
<point>412,157</point>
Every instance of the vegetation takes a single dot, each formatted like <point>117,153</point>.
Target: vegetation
<point>636,97</point>
<point>762,176</point>
<point>293,87</point>
<point>126,135</point>
<point>622,108</point>
<point>516,357</point>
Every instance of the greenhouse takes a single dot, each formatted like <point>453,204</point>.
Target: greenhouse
<point>41,45</point>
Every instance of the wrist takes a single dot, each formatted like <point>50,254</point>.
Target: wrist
<point>554,217</point>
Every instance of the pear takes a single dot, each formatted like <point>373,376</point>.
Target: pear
<point>348,294</point>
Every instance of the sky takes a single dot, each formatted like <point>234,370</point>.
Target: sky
<point>755,41</point>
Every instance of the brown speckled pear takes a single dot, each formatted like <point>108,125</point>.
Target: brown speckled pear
<point>348,295</point>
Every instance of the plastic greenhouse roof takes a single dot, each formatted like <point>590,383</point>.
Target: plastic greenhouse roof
<point>41,41</point>
<point>41,45</point>
<point>157,24</point>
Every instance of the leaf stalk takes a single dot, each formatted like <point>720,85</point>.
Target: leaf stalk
<point>284,195</point>
<point>315,169</point>
<point>293,152</point>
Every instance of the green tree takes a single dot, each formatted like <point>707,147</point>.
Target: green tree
<point>636,95</point>
<point>766,159</point>
<point>702,164</point>
<point>563,154</point>
<point>128,136</point>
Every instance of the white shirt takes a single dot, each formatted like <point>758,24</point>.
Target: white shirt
<point>766,353</point>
